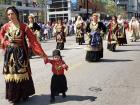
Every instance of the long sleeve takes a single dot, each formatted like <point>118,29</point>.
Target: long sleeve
<point>48,61</point>
<point>88,28</point>
<point>102,27</point>
<point>35,45</point>
<point>64,65</point>
<point>3,41</point>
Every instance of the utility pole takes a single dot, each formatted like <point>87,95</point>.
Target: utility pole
<point>117,4</point>
<point>87,9</point>
<point>137,9</point>
<point>45,11</point>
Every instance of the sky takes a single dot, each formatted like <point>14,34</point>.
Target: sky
<point>74,4</point>
<point>74,1</point>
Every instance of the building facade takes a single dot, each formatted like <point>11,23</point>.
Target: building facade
<point>58,9</point>
<point>25,8</point>
<point>132,7</point>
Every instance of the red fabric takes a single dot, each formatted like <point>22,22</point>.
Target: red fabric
<point>111,31</point>
<point>57,64</point>
<point>30,35</point>
<point>4,43</point>
<point>126,25</point>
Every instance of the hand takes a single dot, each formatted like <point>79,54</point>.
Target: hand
<point>45,57</point>
<point>65,66</point>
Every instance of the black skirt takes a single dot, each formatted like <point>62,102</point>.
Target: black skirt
<point>93,56</point>
<point>58,84</point>
<point>16,62</point>
<point>16,91</point>
<point>122,41</point>
<point>60,46</point>
<point>111,47</point>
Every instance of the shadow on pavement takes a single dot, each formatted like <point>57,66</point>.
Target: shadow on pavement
<point>71,48</point>
<point>76,98</point>
<point>126,50</point>
<point>115,60</point>
<point>45,99</point>
<point>132,45</point>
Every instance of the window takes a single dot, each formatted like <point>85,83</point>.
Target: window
<point>19,3</point>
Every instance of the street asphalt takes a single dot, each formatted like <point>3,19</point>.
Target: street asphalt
<point>115,80</point>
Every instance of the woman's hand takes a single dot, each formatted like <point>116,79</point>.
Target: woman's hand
<point>45,58</point>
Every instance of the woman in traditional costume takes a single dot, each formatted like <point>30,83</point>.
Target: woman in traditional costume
<point>80,30</point>
<point>16,69</point>
<point>95,31</point>
<point>122,31</point>
<point>36,30</point>
<point>34,26</point>
<point>60,34</point>
<point>134,29</point>
<point>113,34</point>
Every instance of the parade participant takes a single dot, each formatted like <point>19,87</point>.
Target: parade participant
<point>35,29</point>
<point>65,23</point>
<point>34,26</point>
<point>126,25</point>
<point>95,31</point>
<point>16,69</point>
<point>58,81</point>
<point>121,32</point>
<point>112,34</point>
<point>48,30</point>
<point>134,28</point>
<point>60,34</point>
<point>80,29</point>
<point>70,28</point>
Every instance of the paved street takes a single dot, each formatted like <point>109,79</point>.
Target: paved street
<point>113,81</point>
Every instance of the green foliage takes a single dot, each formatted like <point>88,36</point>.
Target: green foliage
<point>40,2</point>
<point>111,8</point>
<point>2,1</point>
<point>2,15</point>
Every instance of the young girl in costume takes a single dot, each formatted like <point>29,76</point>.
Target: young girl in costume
<point>58,81</point>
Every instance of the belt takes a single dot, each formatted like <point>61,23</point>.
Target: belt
<point>15,45</point>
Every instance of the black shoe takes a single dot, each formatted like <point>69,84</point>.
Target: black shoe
<point>64,95</point>
<point>56,94</point>
<point>52,100</point>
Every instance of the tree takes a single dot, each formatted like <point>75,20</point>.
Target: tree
<point>111,8</point>
<point>2,1</point>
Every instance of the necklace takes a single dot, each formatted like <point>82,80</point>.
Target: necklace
<point>94,26</point>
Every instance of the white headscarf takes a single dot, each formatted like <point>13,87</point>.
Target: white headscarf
<point>79,20</point>
<point>120,19</point>
<point>134,24</point>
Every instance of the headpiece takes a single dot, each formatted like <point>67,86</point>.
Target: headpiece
<point>56,53</point>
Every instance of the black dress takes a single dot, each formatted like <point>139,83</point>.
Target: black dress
<point>80,27</point>
<point>60,37</point>
<point>95,44</point>
<point>121,35</point>
<point>112,36</point>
